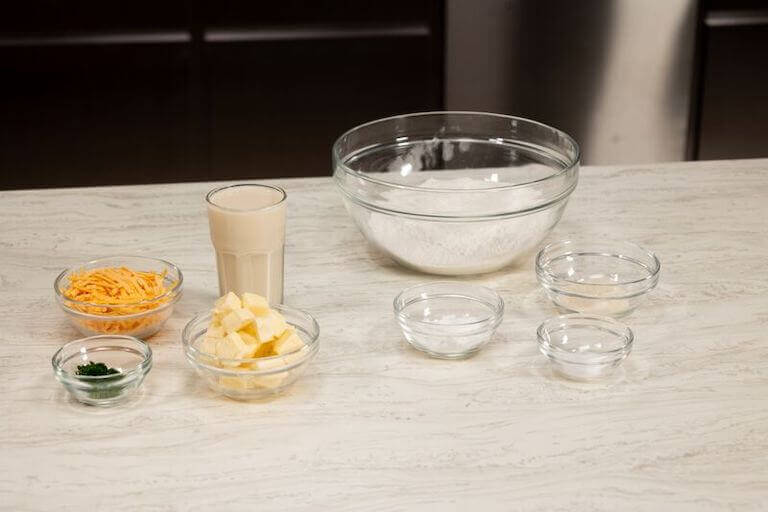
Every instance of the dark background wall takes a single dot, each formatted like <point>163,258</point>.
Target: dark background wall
<point>95,92</point>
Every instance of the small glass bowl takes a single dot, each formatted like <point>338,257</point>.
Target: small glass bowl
<point>131,356</point>
<point>602,278</point>
<point>448,320</point>
<point>238,378</point>
<point>584,347</point>
<point>141,319</point>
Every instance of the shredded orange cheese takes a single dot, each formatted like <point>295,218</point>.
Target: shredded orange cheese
<point>116,291</point>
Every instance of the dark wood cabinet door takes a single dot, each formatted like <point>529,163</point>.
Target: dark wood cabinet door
<point>287,78</point>
<point>733,115</point>
<point>277,106</point>
<point>96,114</point>
<point>95,93</point>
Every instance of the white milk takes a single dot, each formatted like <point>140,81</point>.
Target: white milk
<point>248,233</point>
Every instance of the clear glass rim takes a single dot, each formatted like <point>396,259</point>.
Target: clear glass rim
<point>173,292</point>
<point>188,337</point>
<point>338,162</point>
<point>140,368</point>
<point>462,290</point>
<point>209,197</point>
<point>543,271</point>
<point>604,323</point>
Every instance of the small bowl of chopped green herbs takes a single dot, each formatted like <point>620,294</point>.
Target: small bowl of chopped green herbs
<point>102,370</point>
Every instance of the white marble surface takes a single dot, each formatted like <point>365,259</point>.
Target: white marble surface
<point>375,425</point>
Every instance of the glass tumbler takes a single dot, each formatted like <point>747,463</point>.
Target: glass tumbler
<point>247,223</point>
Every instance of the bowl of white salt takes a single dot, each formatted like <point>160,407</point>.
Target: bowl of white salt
<point>599,277</point>
<point>584,347</point>
<point>448,320</point>
<point>455,193</point>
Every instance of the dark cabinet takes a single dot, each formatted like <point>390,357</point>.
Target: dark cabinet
<point>277,106</point>
<point>286,81</point>
<point>95,114</point>
<point>733,107</point>
<point>94,95</point>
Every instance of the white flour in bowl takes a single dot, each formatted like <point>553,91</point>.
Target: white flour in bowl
<point>454,248</point>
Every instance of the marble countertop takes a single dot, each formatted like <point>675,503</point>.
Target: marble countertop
<point>375,425</point>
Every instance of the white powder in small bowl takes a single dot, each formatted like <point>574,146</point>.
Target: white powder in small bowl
<point>452,334</point>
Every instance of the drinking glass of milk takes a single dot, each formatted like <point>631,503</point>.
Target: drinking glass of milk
<point>248,233</point>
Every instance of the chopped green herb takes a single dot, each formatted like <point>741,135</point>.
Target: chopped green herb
<point>104,388</point>
<point>95,369</point>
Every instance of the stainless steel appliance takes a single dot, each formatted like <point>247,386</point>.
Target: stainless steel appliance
<point>615,74</point>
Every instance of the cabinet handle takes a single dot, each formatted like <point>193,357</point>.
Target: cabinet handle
<point>736,18</point>
<point>113,38</point>
<point>232,35</point>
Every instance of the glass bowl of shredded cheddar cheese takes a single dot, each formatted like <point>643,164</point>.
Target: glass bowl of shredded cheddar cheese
<point>125,295</point>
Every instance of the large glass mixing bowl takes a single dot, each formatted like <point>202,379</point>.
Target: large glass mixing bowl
<point>455,192</point>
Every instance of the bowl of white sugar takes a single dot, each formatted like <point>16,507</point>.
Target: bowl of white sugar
<point>448,320</point>
<point>455,193</point>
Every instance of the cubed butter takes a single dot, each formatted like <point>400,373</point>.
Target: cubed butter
<point>270,380</point>
<point>234,382</point>
<point>229,302</point>
<point>268,363</point>
<point>232,347</point>
<point>217,316</point>
<point>248,338</point>
<point>264,350</point>
<point>215,331</point>
<point>249,329</point>
<point>296,357</point>
<point>288,342</point>
<point>269,327</point>
<point>279,319</point>
<point>252,349</point>
<point>257,304</point>
<point>208,345</point>
<point>236,320</point>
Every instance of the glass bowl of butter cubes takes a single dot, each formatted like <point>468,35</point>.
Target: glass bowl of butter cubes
<point>245,348</point>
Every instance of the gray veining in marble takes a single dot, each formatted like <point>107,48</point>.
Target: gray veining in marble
<point>374,425</point>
